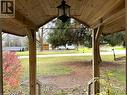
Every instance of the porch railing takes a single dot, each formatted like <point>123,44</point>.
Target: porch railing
<point>89,87</point>
<point>39,87</point>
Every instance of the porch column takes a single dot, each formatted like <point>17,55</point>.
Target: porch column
<point>126,39</point>
<point>1,63</point>
<point>32,61</point>
<point>96,63</point>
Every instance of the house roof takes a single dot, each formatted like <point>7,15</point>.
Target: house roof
<point>32,14</point>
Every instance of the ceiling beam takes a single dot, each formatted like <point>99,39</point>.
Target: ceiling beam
<point>116,26</point>
<point>51,18</point>
<point>107,9</point>
<point>5,31</point>
<point>110,19</point>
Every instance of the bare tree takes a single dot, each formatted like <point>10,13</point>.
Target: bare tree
<point>40,39</point>
<point>41,36</point>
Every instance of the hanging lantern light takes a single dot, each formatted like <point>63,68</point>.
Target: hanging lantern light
<point>63,11</point>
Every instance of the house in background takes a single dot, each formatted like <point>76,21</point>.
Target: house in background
<point>14,49</point>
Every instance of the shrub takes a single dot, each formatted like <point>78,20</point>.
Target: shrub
<point>12,70</point>
<point>108,87</point>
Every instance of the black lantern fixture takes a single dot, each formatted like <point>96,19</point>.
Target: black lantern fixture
<point>63,11</point>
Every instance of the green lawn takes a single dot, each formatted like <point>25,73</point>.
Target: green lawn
<point>52,66</point>
<point>115,48</point>
<point>119,74</point>
<point>49,52</point>
<point>119,48</point>
<point>117,80</point>
<point>80,50</point>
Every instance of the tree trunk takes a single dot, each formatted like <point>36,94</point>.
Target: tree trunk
<point>98,34</point>
<point>41,41</point>
<point>77,45</point>
<point>96,64</point>
<point>41,44</point>
<point>96,58</point>
<point>98,49</point>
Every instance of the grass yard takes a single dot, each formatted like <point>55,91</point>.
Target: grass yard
<point>26,53</point>
<point>109,48</point>
<point>80,50</point>
<point>54,67</point>
<point>119,48</point>
<point>51,66</point>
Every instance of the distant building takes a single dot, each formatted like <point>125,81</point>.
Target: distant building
<point>45,46</point>
<point>14,49</point>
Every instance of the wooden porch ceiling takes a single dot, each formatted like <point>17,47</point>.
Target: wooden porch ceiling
<point>31,14</point>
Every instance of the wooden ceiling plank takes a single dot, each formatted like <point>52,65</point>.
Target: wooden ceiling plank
<point>111,18</point>
<point>26,9</point>
<point>19,17</point>
<point>114,17</point>
<point>96,9</point>
<point>117,26</point>
<point>85,9</point>
<point>115,10</point>
<point>104,10</point>
<point>35,13</point>
<point>44,6</point>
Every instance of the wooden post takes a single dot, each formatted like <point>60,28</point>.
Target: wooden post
<point>126,39</point>
<point>32,61</point>
<point>1,62</point>
<point>96,63</point>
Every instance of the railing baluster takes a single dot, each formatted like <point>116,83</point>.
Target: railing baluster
<point>39,87</point>
<point>89,86</point>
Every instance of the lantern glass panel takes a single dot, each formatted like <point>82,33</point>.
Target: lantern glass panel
<point>67,11</point>
<point>61,11</point>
